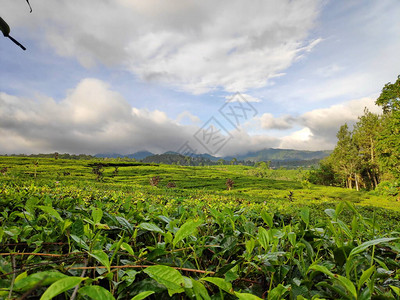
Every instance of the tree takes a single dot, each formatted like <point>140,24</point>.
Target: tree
<point>389,98</point>
<point>388,143</point>
<point>365,134</point>
<point>345,158</point>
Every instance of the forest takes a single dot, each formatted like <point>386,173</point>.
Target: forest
<point>367,156</point>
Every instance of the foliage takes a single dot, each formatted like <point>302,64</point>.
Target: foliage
<point>370,151</point>
<point>123,238</point>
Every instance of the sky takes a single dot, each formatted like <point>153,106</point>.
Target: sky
<point>218,77</point>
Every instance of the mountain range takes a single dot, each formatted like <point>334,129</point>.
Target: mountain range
<point>272,154</point>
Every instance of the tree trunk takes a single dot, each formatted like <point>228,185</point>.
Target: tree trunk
<point>356,180</point>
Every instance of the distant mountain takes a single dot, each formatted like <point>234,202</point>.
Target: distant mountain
<point>137,155</point>
<point>281,155</point>
<point>274,155</point>
<point>140,154</point>
<point>108,155</point>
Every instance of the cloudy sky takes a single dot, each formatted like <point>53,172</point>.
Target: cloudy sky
<point>223,77</point>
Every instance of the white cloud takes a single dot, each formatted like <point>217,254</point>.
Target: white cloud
<point>242,97</point>
<point>91,119</point>
<point>268,121</point>
<point>196,46</point>
<point>320,126</point>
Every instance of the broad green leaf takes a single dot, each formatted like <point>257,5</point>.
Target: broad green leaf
<point>200,291</point>
<point>39,279</point>
<point>292,238</point>
<point>339,208</point>
<point>186,229</point>
<point>365,245</point>
<point>278,292</point>
<point>102,258</point>
<point>305,215</point>
<point>268,219</point>
<point>67,223</point>
<point>171,278</point>
<point>127,248</point>
<point>51,211</point>
<point>343,280</point>
<point>331,213</point>
<point>125,224</point>
<point>21,276</point>
<point>96,292</point>
<point>321,269</point>
<point>263,238</point>
<point>97,214</point>
<point>143,295</point>
<point>365,276</point>
<point>395,289</point>
<point>81,243</point>
<point>150,227</point>
<point>348,285</point>
<point>221,283</point>
<point>250,244</point>
<point>247,296</point>
<point>61,286</point>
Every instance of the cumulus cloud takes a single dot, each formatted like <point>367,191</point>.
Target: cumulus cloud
<point>268,121</point>
<point>91,119</point>
<point>320,126</point>
<point>196,46</point>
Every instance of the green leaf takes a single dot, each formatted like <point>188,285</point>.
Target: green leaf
<point>51,211</point>
<point>221,283</point>
<point>61,286</point>
<point>395,289</point>
<point>81,243</point>
<point>171,278</point>
<point>21,276</point>
<point>127,248</point>
<point>343,280</point>
<point>331,213</point>
<point>143,295</point>
<point>263,238</point>
<point>278,292</point>
<point>365,276</point>
<point>186,229</point>
<point>365,245</point>
<point>97,214</point>
<point>200,291</point>
<point>321,269</point>
<point>37,279</point>
<point>247,296</point>
<point>268,219</point>
<point>305,215</point>
<point>102,258</point>
<point>150,227</point>
<point>348,285</point>
<point>96,292</point>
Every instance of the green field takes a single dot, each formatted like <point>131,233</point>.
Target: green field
<point>66,231</point>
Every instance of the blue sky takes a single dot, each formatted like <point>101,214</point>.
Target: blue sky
<point>123,76</point>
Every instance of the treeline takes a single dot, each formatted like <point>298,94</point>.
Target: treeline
<point>55,155</point>
<point>370,152</point>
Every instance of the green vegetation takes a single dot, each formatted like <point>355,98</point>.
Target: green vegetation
<point>114,229</point>
<point>369,155</point>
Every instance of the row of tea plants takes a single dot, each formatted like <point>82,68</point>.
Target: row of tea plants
<point>74,243</point>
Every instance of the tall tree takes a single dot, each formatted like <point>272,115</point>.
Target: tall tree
<point>345,158</point>
<point>365,134</point>
<point>389,98</point>
<point>389,140</point>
